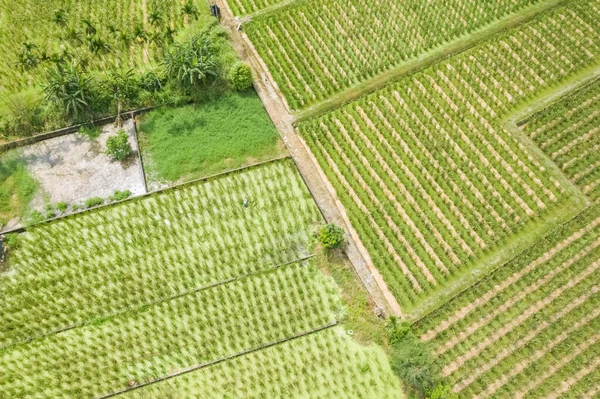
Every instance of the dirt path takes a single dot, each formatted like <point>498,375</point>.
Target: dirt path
<point>322,191</point>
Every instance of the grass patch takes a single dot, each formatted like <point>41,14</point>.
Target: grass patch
<point>360,315</point>
<point>220,134</point>
<point>17,187</point>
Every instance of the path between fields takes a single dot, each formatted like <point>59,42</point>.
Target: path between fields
<point>322,191</point>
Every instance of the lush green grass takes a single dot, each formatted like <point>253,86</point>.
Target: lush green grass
<point>17,187</point>
<point>199,140</point>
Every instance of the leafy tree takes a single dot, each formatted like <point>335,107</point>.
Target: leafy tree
<point>331,236</point>
<point>240,76</point>
<point>123,86</point>
<point>118,146</point>
<point>189,64</point>
<point>69,88</point>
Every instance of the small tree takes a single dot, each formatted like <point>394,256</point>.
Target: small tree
<point>442,392</point>
<point>118,146</point>
<point>240,76</point>
<point>331,236</point>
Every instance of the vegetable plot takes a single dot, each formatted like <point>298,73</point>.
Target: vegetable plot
<point>122,257</point>
<point>569,132</point>
<point>317,48</point>
<point>430,177</point>
<point>530,329</point>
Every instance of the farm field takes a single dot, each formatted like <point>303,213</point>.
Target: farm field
<point>244,7</point>
<point>314,49</point>
<point>433,181</point>
<point>217,135</point>
<point>192,277</point>
<point>184,237</point>
<point>530,329</point>
<point>117,25</point>
<point>569,133</point>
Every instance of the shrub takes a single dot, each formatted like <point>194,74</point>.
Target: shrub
<point>240,76</point>
<point>397,330</point>
<point>442,392</point>
<point>94,201</point>
<point>118,146</point>
<point>75,207</point>
<point>12,240</point>
<point>331,236</point>
<point>151,82</point>
<point>120,195</point>
<point>62,206</point>
<point>89,131</point>
<point>35,217</point>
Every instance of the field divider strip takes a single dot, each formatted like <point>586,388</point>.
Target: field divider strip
<point>160,300</point>
<point>436,55</point>
<point>220,360</point>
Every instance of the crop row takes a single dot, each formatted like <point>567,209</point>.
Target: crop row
<point>431,178</point>
<point>569,132</point>
<point>157,340</point>
<point>140,251</point>
<point>244,7</point>
<point>317,48</point>
<point>327,364</point>
<point>529,326</point>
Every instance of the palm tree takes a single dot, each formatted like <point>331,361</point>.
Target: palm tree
<point>122,85</point>
<point>140,34</point>
<point>67,87</point>
<point>60,17</point>
<point>97,45</point>
<point>169,34</point>
<point>191,63</point>
<point>90,30</point>
<point>155,17</point>
<point>27,59</point>
<point>189,9</point>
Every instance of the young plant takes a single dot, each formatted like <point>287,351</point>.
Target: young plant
<point>118,147</point>
<point>331,236</point>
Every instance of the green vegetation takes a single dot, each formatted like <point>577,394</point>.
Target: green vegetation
<point>118,147</point>
<point>192,277</point>
<point>530,325</point>
<point>88,61</point>
<point>568,132</point>
<point>331,236</point>
<point>120,195</point>
<point>90,131</point>
<point>317,48</point>
<point>17,187</point>
<point>224,133</point>
<point>240,76</point>
<point>433,182</point>
<point>94,201</point>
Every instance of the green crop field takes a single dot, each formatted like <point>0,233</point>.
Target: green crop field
<point>531,328</point>
<point>433,180</point>
<point>135,292</point>
<point>569,132</point>
<point>244,7</point>
<point>317,48</point>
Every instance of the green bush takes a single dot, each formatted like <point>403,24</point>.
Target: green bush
<point>331,236</point>
<point>12,240</point>
<point>89,131</point>
<point>118,146</point>
<point>75,207</point>
<point>61,206</point>
<point>35,217</point>
<point>120,195</point>
<point>94,201</point>
<point>442,392</point>
<point>240,76</point>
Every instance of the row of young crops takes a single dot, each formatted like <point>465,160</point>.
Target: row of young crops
<point>314,49</point>
<point>431,178</point>
<point>530,329</point>
<point>569,133</point>
<point>215,271</point>
<point>324,365</point>
<point>65,29</point>
<point>245,7</point>
<point>106,261</point>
